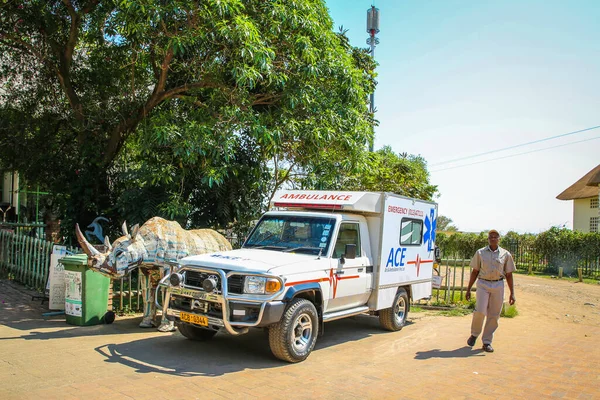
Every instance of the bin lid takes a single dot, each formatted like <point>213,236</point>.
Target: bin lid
<point>75,259</point>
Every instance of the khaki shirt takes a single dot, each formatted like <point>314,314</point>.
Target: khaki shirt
<point>492,265</point>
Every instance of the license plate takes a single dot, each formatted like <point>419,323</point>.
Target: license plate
<point>194,319</point>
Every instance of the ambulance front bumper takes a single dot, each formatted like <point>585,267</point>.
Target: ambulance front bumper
<point>221,309</point>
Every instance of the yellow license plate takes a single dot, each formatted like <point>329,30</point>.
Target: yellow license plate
<point>194,319</point>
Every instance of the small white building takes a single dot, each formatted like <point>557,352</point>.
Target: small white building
<point>585,193</point>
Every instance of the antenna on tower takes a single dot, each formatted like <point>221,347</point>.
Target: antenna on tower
<point>372,40</point>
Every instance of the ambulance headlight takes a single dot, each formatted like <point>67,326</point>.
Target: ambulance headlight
<point>261,285</point>
<point>255,285</point>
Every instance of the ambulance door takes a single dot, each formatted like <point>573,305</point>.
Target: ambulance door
<point>348,276</point>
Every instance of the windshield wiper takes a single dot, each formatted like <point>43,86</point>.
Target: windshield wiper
<point>269,247</point>
<point>302,248</point>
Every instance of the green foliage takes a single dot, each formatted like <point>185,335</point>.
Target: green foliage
<point>381,171</point>
<point>509,311</point>
<point>555,242</point>
<point>547,251</point>
<point>441,297</point>
<point>456,312</point>
<point>461,245</point>
<point>445,224</point>
<point>205,98</point>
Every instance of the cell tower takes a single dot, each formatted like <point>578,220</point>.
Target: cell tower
<point>372,30</point>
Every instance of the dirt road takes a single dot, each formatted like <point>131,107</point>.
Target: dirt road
<point>549,351</point>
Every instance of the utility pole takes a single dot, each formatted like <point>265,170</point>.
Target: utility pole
<point>372,30</point>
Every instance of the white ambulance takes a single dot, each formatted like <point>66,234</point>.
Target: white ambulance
<point>319,257</point>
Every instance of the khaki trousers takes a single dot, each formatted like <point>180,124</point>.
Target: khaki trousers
<point>489,299</point>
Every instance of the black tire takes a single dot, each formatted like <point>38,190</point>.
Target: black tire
<point>109,317</point>
<point>196,333</point>
<point>294,336</point>
<point>394,318</point>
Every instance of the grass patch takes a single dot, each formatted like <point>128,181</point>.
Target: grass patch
<point>451,299</point>
<point>456,312</point>
<point>509,312</point>
<point>416,309</point>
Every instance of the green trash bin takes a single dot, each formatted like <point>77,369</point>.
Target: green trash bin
<point>86,292</point>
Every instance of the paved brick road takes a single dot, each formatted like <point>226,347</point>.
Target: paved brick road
<point>537,356</point>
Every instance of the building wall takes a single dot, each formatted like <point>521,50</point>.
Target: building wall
<point>583,212</point>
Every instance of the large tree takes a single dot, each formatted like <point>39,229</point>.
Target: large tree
<point>82,79</point>
<point>380,171</point>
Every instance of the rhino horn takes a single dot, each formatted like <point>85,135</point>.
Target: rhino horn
<point>107,243</point>
<point>85,245</point>
<point>124,228</point>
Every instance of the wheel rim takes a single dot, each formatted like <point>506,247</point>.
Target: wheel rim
<point>400,310</point>
<point>302,332</point>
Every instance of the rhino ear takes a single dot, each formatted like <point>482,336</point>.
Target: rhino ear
<point>124,228</point>
<point>134,231</point>
<point>107,243</point>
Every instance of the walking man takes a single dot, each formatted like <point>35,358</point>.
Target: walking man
<point>491,264</point>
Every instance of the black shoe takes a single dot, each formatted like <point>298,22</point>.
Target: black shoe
<point>471,340</point>
<point>488,348</point>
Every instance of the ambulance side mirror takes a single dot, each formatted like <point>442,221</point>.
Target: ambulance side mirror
<point>350,251</point>
<point>438,257</point>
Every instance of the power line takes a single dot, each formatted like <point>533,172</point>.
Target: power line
<point>518,154</point>
<point>515,146</point>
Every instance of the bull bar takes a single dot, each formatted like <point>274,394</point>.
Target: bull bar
<point>223,299</point>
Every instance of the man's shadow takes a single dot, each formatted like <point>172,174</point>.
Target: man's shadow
<point>461,352</point>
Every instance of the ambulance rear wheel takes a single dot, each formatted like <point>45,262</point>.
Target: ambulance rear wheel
<point>195,333</point>
<point>394,318</point>
<point>294,336</point>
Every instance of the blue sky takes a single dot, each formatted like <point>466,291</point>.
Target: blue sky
<point>458,78</point>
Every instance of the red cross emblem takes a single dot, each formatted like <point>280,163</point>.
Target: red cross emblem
<point>418,264</point>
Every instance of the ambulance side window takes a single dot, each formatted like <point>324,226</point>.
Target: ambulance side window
<point>349,234</point>
<point>411,232</point>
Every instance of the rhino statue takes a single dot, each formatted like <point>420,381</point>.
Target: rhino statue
<point>148,247</point>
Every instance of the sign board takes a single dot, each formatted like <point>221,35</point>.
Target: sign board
<point>73,288</point>
<point>56,279</point>
<point>436,282</point>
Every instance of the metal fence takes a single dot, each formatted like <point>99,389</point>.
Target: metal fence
<point>28,229</point>
<point>528,259</point>
<point>453,273</point>
<point>26,259</point>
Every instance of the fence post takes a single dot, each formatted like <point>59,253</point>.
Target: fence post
<point>462,279</point>
<point>560,272</point>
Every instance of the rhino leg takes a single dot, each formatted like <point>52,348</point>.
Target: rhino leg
<point>165,324</point>
<point>148,297</point>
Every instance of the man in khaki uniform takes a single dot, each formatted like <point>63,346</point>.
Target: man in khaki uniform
<point>491,265</point>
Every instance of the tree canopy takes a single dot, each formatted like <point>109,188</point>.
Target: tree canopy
<point>445,224</point>
<point>379,171</point>
<point>269,80</point>
<point>194,111</point>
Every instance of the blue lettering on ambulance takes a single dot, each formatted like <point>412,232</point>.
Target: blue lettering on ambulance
<point>396,257</point>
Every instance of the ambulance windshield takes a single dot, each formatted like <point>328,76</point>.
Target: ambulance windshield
<point>292,234</point>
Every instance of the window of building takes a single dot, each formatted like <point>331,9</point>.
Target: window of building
<point>594,202</point>
<point>594,224</point>
<point>411,232</point>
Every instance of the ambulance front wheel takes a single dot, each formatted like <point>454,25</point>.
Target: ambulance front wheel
<point>294,336</point>
<point>394,318</point>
